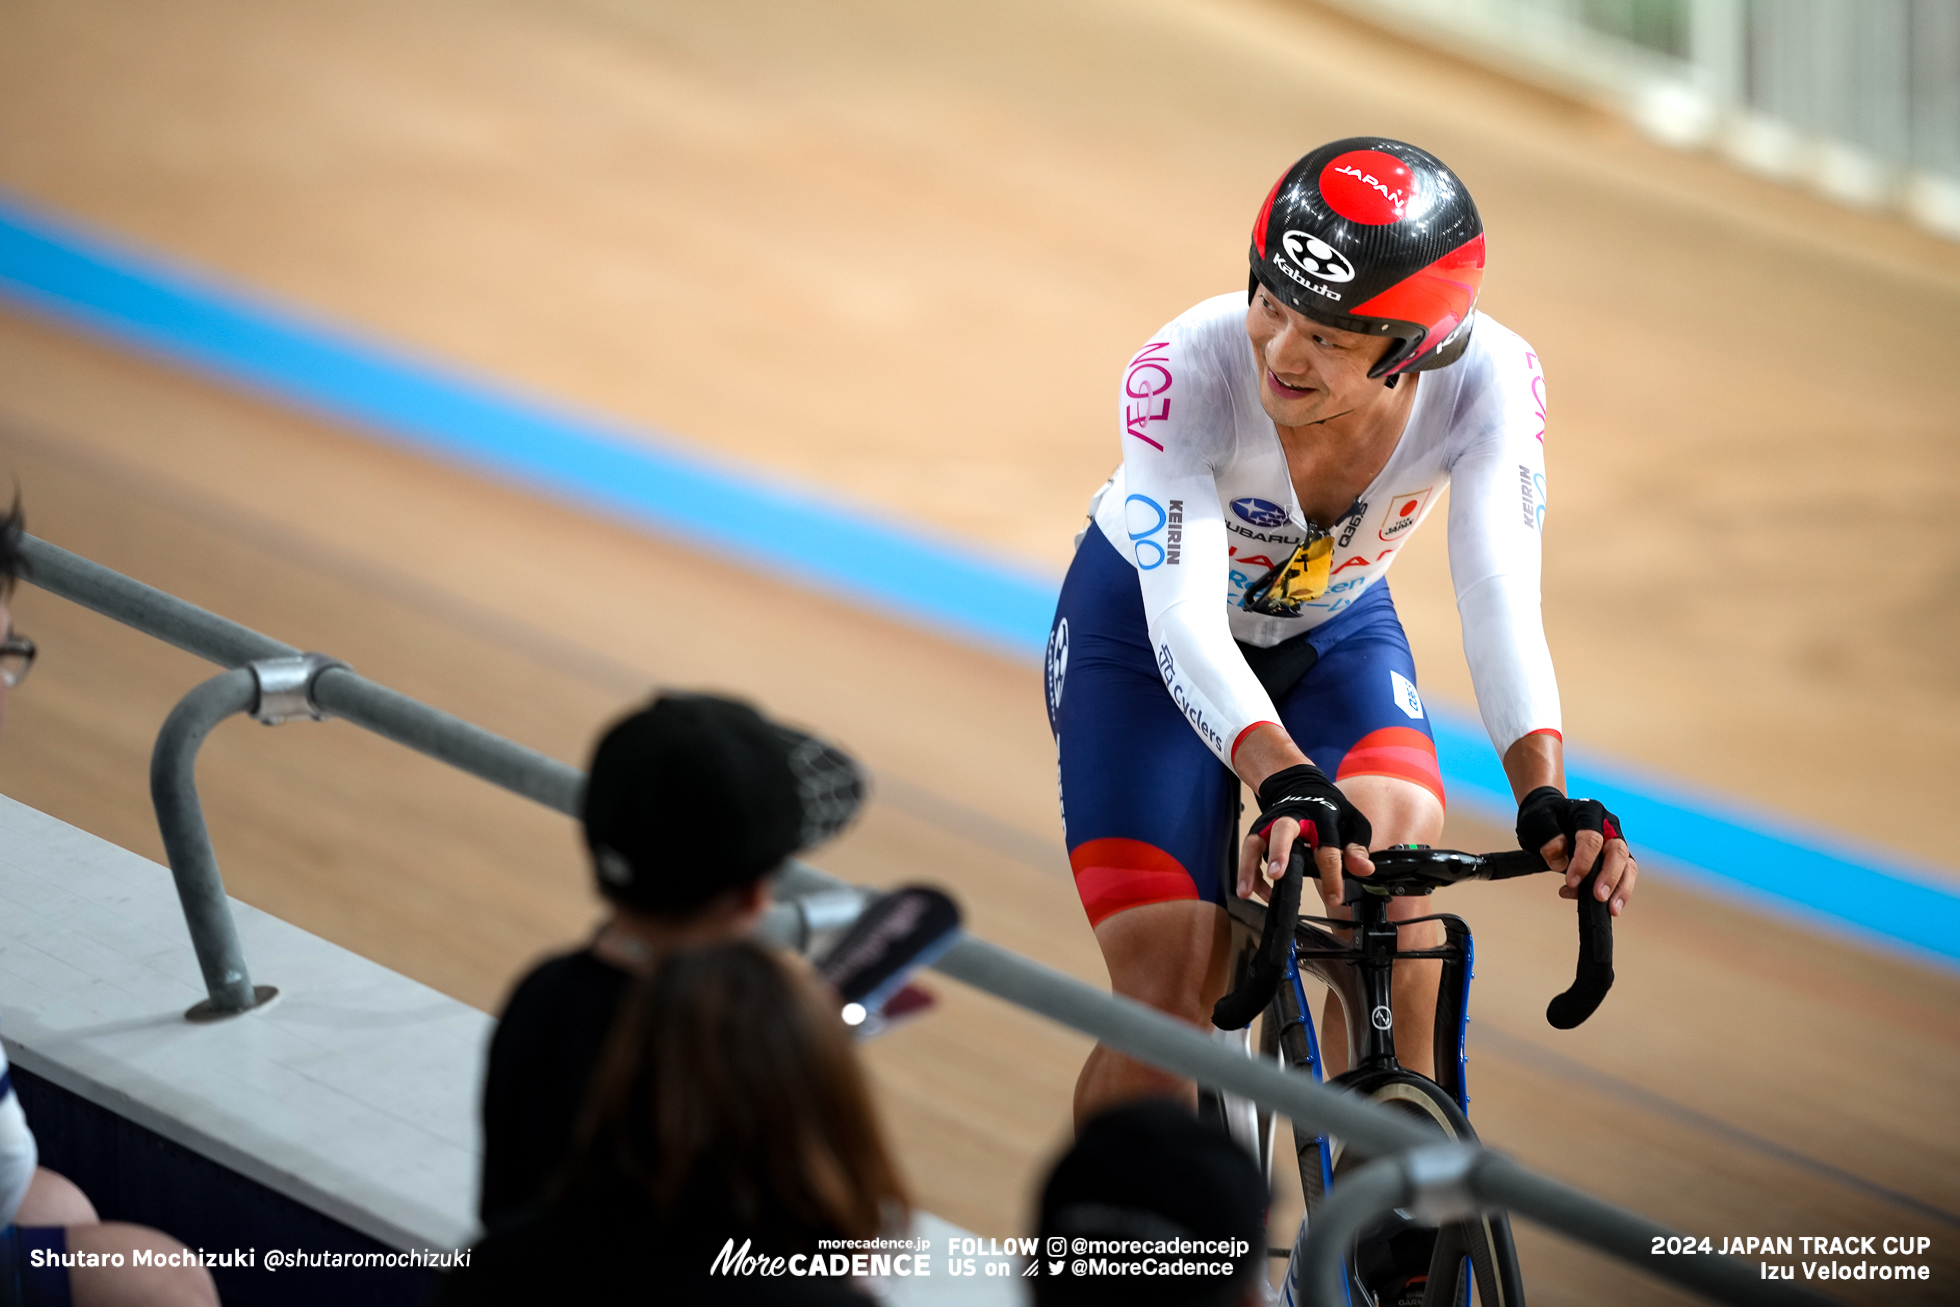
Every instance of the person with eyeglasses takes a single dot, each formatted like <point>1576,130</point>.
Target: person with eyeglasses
<point>42,1211</point>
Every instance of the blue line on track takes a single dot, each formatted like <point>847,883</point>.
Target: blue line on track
<point>1767,860</point>
<point>82,279</point>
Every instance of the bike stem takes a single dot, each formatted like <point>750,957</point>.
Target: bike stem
<point>1377,937</point>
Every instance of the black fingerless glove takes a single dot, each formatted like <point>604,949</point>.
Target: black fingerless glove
<point>1544,814</point>
<point>1327,819</point>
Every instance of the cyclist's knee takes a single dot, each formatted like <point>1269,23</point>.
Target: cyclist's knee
<point>1400,810</point>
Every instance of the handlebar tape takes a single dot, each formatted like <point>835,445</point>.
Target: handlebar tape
<point>1237,1009</point>
<point>1595,971</point>
<point>1511,863</point>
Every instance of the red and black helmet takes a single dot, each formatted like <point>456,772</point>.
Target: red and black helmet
<point>1375,236</point>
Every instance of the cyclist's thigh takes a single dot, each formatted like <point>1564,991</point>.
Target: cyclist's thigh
<point>1147,808</point>
<point>1358,715</point>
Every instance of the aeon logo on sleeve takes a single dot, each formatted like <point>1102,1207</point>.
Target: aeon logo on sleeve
<point>1259,512</point>
<point>1146,387</point>
<point>1316,257</point>
<point>1403,510</point>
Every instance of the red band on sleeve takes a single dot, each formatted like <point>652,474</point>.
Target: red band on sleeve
<point>1240,737</point>
<point>1544,730</point>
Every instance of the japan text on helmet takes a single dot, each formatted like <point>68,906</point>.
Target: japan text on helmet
<point>1375,236</point>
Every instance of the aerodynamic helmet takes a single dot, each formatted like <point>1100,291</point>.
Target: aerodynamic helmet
<point>1373,235</point>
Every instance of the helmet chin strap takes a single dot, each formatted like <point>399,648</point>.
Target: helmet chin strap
<point>1329,418</point>
<point>1391,379</point>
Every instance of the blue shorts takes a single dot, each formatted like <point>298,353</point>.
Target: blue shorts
<point>1150,813</point>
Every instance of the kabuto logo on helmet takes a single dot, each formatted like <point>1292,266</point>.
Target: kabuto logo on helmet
<point>1394,229</point>
<point>1317,257</point>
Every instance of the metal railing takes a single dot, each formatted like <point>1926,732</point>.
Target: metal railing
<point>276,682</point>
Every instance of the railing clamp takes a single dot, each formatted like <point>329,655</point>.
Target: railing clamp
<point>285,687</point>
<point>1442,1183</point>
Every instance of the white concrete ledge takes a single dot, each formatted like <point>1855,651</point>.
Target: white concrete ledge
<point>354,1092</point>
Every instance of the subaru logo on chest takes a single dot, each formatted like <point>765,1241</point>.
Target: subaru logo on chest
<point>1259,512</point>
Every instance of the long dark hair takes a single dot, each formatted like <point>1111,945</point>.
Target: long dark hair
<point>729,1081</point>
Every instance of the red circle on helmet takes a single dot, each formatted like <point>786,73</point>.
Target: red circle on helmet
<point>1368,186</point>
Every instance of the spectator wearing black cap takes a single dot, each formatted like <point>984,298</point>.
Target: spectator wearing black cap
<point>1157,1191</point>
<point>689,804</point>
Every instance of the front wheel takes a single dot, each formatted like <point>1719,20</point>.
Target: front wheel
<point>1401,1264</point>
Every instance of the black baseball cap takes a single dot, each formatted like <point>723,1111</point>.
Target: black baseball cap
<point>1153,1182</point>
<point>696,794</point>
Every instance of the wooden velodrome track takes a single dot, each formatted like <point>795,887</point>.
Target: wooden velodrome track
<point>898,252</point>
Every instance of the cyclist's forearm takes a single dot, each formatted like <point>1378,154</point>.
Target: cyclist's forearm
<point>1265,749</point>
<point>1534,760</point>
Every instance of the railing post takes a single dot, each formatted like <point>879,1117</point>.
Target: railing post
<point>272,690</point>
<point>187,843</point>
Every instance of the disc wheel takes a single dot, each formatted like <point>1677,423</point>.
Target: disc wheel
<point>1386,1259</point>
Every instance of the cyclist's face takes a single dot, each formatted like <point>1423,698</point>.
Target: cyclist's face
<point>1308,372</point>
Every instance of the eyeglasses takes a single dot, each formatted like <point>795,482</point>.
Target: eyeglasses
<point>16,657</point>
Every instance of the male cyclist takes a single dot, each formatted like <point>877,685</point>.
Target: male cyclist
<point>1227,604</point>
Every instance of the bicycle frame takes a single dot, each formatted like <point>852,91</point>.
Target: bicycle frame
<point>1275,949</point>
<point>1360,974</point>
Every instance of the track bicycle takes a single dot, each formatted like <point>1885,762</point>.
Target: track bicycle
<point>1397,1264</point>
